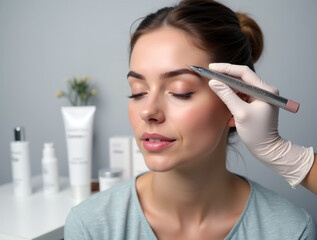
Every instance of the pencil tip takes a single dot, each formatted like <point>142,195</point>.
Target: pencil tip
<point>196,69</point>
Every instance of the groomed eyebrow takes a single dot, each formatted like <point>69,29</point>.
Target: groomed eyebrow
<point>165,75</point>
<point>135,75</point>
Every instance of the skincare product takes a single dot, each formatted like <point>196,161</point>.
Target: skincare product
<point>120,154</point>
<point>138,163</point>
<point>79,131</point>
<point>109,177</point>
<point>50,169</point>
<point>21,169</point>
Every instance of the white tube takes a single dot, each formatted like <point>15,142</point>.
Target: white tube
<point>78,123</point>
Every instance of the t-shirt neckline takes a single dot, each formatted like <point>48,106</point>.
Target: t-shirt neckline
<point>150,230</point>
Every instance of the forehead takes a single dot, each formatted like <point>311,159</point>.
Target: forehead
<point>167,45</point>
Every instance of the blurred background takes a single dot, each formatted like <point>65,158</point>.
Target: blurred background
<point>44,41</point>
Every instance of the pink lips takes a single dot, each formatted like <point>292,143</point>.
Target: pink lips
<point>154,142</point>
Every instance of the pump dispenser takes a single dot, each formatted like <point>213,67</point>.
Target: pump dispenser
<point>20,161</point>
<point>50,169</point>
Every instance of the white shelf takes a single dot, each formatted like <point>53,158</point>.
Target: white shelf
<point>36,217</point>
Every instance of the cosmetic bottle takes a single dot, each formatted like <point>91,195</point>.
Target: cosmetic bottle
<point>138,163</point>
<point>121,154</point>
<point>50,169</point>
<point>21,169</point>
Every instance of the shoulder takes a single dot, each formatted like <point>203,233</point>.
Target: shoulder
<point>113,214</point>
<point>100,212</point>
<point>110,199</point>
<point>271,216</point>
<point>272,204</point>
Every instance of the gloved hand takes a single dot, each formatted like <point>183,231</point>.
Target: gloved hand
<point>257,125</point>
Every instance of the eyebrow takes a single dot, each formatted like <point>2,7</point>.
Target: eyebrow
<point>165,75</point>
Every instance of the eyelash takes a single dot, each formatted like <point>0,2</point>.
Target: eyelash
<point>138,95</point>
<point>183,95</point>
<point>178,95</point>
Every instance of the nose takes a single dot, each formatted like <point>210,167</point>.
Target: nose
<point>152,111</point>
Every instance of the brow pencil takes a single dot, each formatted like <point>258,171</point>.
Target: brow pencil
<point>248,89</point>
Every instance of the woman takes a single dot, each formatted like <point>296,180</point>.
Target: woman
<point>182,128</point>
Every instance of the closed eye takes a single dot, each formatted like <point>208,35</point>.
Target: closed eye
<point>183,95</point>
<point>138,95</point>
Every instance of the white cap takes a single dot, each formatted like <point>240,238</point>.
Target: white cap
<point>81,192</point>
<point>48,150</point>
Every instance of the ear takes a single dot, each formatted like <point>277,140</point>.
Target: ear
<point>244,97</point>
<point>231,122</point>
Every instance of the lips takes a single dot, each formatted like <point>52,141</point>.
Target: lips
<point>154,142</point>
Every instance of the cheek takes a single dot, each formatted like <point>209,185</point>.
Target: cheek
<point>134,117</point>
<point>202,122</point>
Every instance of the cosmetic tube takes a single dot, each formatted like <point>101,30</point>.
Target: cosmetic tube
<point>50,170</point>
<point>78,123</point>
<point>21,169</point>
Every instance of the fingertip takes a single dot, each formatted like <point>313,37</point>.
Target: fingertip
<point>213,66</point>
<point>216,84</point>
<point>220,67</point>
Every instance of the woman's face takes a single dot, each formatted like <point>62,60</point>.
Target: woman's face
<point>175,116</point>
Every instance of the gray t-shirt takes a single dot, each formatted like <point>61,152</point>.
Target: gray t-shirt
<point>117,214</point>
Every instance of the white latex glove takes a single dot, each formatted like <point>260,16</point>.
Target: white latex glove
<point>257,125</point>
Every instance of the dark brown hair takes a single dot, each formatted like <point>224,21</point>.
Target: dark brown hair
<point>226,36</point>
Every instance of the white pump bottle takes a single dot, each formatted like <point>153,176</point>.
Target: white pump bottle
<point>21,168</point>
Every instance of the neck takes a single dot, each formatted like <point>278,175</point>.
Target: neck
<point>192,192</point>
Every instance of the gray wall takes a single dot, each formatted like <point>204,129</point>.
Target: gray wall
<point>42,41</point>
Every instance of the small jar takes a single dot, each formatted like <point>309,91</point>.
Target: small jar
<point>109,177</point>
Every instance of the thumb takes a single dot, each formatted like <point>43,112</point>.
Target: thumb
<point>234,103</point>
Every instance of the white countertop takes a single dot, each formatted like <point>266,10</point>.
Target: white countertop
<point>38,216</point>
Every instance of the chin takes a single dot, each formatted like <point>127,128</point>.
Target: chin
<point>159,163</point>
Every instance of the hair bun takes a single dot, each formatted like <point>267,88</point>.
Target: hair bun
<point>250,28</point>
